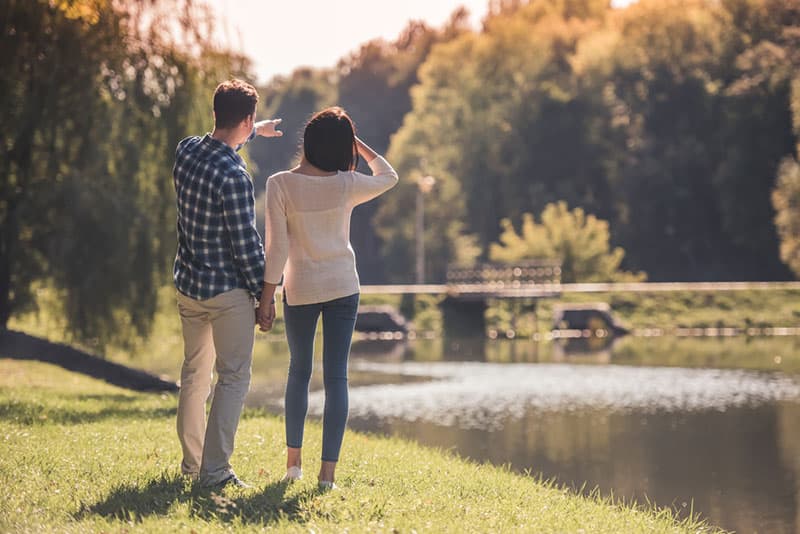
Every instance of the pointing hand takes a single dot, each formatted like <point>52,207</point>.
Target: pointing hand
<point>268,128</point>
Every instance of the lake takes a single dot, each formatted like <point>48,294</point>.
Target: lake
<point>709,425</point>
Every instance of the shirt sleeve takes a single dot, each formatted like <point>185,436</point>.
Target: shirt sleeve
<point>366,187</point>
<point>277,233</point>
<point>238,211</point>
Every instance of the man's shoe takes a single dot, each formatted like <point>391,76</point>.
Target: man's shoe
<point>231,480</point>
<point>293,474</point>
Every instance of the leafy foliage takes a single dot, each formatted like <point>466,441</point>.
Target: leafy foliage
<point>668,119</point>
<point>786,199</point>
<point>100,98</point>
<point>579,241</point>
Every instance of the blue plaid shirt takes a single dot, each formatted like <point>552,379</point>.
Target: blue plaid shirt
<point>219,248</point>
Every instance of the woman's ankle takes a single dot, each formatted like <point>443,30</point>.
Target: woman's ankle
<point>327,471</point>
<point>294,457</point>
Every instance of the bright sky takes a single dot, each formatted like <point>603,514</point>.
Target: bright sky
<point>281,35</point>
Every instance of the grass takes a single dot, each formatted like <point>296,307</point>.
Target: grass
<point>83,456</point>
<point>692,309</point>
<point>660,309</point>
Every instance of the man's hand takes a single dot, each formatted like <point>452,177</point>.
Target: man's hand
<point>265,316</point>
<point>267,128</point>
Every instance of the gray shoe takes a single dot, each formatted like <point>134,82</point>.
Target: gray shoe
<point>231,480</point>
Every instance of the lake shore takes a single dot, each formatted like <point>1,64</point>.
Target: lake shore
<point>84,455</point>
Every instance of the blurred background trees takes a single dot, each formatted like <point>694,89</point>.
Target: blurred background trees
<point>639,116</point>
<point>665,124</point>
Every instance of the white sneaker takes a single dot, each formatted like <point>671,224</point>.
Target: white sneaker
<point>327,485</point>
<point>292,474</point>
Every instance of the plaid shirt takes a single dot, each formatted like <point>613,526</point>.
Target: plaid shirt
<point>219,248</point>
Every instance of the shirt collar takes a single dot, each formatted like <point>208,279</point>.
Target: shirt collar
<point>215,145</point>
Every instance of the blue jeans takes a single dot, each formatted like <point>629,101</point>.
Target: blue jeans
<point>338,321</point>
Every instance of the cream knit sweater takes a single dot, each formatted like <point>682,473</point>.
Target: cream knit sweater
<point>308,230</point>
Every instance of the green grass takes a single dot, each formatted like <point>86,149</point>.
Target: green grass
<point>83,456</point>
<point>692,309</point>
<point>661,309</point>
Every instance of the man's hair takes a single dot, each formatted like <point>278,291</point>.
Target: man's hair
<point>329,141</point>
<point>234,101</point>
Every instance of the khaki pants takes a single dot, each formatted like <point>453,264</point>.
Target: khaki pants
<point>217,332</point>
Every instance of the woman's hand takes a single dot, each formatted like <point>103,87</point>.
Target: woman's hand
<point>268,128</point>
<point>365,151</point>
<point>265,316</point>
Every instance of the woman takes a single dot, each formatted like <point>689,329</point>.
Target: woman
<point>308,233</point>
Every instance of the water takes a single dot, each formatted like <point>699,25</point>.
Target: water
<point>704,424</point>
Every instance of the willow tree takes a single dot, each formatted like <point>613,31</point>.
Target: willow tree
<point>96,93</point>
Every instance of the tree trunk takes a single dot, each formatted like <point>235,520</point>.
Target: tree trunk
<point>8,238</point>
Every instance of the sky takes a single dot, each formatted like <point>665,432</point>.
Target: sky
<point>281,35</point>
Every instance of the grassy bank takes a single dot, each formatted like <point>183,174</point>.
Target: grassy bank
<point>80,455</point>
<point>662,309</point>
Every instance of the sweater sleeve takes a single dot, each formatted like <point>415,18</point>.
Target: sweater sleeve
<point>366,187</point>
<point>277,234</point>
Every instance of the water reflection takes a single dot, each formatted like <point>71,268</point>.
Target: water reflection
<point>739,467</point>
<point>675,421</point>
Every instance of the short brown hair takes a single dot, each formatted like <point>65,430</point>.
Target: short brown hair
<point>329,141</point>
<point>234,101</point>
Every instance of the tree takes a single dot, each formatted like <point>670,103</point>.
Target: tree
<point>94,102</point>
<point>374,86</point>
<point>500,121</point>
<point>770,64</point>
<point>700,160</point>
<point>579,241</point>
<point>294,99</point>
<point>786,199</point>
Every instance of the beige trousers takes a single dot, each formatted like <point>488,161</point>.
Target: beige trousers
<point>217,333</point>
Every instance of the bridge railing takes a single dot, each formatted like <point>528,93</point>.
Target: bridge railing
<point>529,273</point>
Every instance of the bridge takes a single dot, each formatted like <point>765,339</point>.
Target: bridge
<point>468,290</point>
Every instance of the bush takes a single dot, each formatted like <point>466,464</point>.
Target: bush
<point>579,241</point>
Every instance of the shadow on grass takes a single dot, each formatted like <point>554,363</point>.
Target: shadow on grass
<point>131,502</point>
<point>31,413</point>
<point>20,346</point>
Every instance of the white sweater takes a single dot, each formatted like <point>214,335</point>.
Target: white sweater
<point>308,230</point>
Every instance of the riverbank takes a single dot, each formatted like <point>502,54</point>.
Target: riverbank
<point>669,311</point>
<point>84,455</point>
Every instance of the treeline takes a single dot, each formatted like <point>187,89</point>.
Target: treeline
<point>669,119</point>
<point>95,96</point>
<point>674,121</point>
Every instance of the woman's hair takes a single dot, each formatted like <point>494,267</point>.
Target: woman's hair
<point>329,141</point>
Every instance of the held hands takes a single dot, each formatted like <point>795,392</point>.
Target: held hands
<point>265,313</point>
<point>265,316</point>
<point>268,128</point>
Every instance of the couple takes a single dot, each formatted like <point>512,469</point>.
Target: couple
<point>221,272</point>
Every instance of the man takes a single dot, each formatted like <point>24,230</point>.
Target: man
<point>218,272</point>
